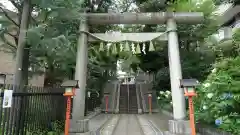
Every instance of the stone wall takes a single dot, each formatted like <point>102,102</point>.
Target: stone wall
<point>144,77</point>
<point>144,89</point>
<point>200,128</point>
<point>7,66</point>
<point>206,130</point>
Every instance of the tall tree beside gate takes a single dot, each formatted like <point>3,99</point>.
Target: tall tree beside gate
<point>22,55</point>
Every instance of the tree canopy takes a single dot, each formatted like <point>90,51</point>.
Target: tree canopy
<point>52,38</point>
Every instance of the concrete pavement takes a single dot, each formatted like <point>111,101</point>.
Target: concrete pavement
<point>128,125</point>
<point>158,120</point>
<point>96,122</point>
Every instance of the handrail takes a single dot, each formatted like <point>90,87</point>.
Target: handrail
<point>143,99</point>
<point>137,92</point>
<point>114,97</point>
<point>128,95</point>
<point>118,96</point>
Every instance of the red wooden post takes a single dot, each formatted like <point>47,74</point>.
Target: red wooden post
<point>191,109</point>
<point>68,94</point>
<point>191,113</point>
<point>106,100</point>
<point>150,102</point>
<point>68,115</point>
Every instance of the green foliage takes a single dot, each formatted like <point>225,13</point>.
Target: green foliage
<point>101,68</point>
<point>165,100</point>
<point>196,55</point>
<point>236,40</point>
<point>58,129</point>
<point>52,36</point>
<point>219,96</point>
<point>228,47</point>
<point>56,51</point>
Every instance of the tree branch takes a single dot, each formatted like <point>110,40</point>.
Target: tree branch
<point>8,43</point>
<point>100,5</point>
<point>17,6</point>
<point>6,15</point>
<point>34,20</point>
<point>128,6</point>
<point>11,35</point>
<point>14,36</point>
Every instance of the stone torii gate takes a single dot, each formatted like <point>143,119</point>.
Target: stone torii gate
<point>171,19</point>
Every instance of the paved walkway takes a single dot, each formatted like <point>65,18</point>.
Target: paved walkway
<point>109,126</point>
<point>146,127</point>
<point>158,120</point>
<point>96,122</point>
<point>128,125</point>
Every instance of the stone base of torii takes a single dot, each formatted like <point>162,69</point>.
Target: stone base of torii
<point>171,20</point>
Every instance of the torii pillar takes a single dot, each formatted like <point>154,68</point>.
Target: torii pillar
<point>81,72</point>
<point>179,110</point>
<point>78,124</point>
<point>178,99</point>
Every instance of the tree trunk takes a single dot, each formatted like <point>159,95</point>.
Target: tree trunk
<point>50,79</point>
<point>25,66</point>
<point>21,62</point>
<point>22,43</point>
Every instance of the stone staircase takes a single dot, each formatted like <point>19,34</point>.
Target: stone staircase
<point>133,105</point>
<point>123,99</point>
<point>128,99</point>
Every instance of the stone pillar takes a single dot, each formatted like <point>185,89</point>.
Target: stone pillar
<point>81,72</point>
<point>179,110</point>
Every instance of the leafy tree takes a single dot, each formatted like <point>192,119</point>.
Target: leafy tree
<point>52,33</point>
<point>196,56</point>
<point>219,97</point>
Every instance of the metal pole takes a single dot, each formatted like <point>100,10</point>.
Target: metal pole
<point>179,110</point>
<point>81,73</point>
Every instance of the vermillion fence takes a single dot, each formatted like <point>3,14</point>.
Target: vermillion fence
<point>36,111</point>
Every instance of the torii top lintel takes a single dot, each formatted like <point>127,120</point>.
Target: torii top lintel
<point>143,18</point>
